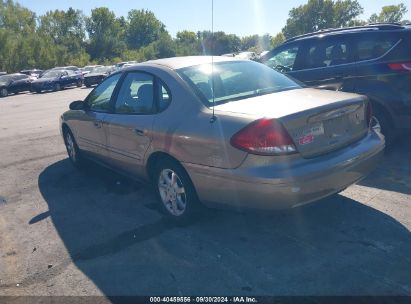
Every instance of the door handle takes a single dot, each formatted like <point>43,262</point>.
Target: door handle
<point>139,132</point>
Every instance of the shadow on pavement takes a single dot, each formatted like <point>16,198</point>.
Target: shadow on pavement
<point>116,237</point>
<point>394,173</point>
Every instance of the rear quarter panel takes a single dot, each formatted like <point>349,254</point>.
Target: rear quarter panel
<point>185,131</point>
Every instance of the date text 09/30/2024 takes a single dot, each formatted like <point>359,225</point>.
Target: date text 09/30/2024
<point>203,300</point>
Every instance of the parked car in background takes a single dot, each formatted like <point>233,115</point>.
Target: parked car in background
<point>120,65</point>
<point>97,75</point>
<point>247,55</point>
<point>14,83</point>
<point>269,143</point>
<point>374,60</point>
<point>263,53</point>
<point>33,74</point>
<point>56,80</point>
<point>88,68</point>
<point>70,68</point>
<point>127,65</point>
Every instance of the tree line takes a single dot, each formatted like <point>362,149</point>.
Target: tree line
<point>70,37</point>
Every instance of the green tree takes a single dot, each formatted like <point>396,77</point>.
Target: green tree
<point>390,13</point>
<point>187,43</point>
<point>256,43</point>
<point>277,40</point>
<point>106,34</point>
<point>16,18</point>
<point>67,30</point>
<point>218,43</point>
<point>321,14</point>
<point>143,28</point>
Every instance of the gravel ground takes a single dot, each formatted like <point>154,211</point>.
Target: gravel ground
<point>92,232</point>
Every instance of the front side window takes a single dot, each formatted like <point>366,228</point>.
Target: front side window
<point>99,98</point>
<point>235,80</point>
<point>136,95</point>
<point>284,61</point>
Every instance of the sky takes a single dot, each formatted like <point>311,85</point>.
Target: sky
<point>240,17</point>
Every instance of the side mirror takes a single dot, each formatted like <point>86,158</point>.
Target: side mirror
<point>78,105</point>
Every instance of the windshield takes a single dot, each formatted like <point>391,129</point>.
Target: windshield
<point>52,74</point>
<point>235,80</point>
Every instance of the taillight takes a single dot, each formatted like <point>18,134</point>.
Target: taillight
<point>405,66</point>
<point>264,137</point>
<point>368,114</point>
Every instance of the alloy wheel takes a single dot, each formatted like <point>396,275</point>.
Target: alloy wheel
<point>3,92</point>
<point>71,148</point>
<point>172,192</point>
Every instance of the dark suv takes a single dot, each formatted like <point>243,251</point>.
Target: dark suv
<point>374,60</point>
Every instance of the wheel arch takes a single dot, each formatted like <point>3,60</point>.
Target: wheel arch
<point>379,106</point>
<point>155,157</point>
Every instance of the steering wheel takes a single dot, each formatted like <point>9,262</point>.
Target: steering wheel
<point>282,69</point>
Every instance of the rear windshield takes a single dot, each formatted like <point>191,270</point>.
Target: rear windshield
<point>235,80</point>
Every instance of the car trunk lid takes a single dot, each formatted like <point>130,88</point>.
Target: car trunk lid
<point>318,121</point>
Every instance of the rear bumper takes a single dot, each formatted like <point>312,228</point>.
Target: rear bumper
<point>291,184</point>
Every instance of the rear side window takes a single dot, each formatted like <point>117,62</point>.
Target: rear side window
<point>327,52</point>
<point>374,47</point>
<point>136,95</point>
<point>142,93</point>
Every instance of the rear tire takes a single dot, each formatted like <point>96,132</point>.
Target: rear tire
<point>3,92</point>
<point>73,151</point>
<point>175,191</point>
<point>79,84</point>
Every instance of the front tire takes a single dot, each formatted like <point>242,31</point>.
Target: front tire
<point>175,191</point>
<point>3,92</point>
<point>79,84</point>
<point>73,151</point>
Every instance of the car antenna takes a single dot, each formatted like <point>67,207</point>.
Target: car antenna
<point>213,117</point>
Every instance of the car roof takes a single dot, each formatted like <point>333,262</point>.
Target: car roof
<point>176,63</point>
<point>355,29</point>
